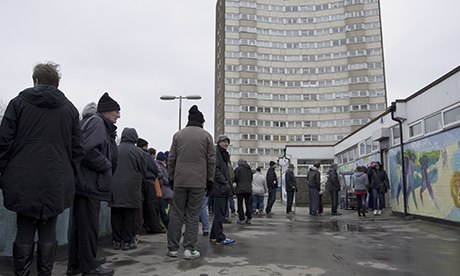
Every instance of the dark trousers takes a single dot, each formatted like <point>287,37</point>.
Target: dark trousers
<point>83,237</point>
<point>217,229</point>
<point>290,200</point>
<point>27,227</point>
<point>123,224</point>
<point>163,214</point>
<point>271,199</point>
<point>334,201</point>
<point>151,210</point>
<point>314,200</point>
<point>361,207</point>
<point>248,206</point>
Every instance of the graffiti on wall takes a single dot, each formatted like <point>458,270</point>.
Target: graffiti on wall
<point>432,176</point>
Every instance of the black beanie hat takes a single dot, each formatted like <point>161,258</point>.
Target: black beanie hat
<point>195,115</point>
<point>141,143</point>
<point>107,104</point>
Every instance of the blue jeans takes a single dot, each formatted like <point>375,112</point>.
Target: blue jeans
<point>258,202</point>
<point>204,215</point>
<point>378,199</point>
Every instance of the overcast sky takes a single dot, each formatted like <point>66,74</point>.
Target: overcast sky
<point>138,50</point>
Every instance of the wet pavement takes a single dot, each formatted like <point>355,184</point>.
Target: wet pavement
<point>298,244</point>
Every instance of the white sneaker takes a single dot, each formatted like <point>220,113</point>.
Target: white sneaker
<point>375,212</point>
<point>191,254</point>
<point>379,212</point>
<point>172,254</point>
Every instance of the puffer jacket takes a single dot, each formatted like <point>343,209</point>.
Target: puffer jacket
<point>314,178</point>
<point>40,152</point>
<point>243,178</point>
<point>259,184</point>
<point>130,175</point>
<point>100,160</point>
<point>272,179</point>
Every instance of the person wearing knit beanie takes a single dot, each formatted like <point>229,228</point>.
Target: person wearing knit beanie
<point>161,156</point>
<point>109,108</point>
<point>106,103</point>
<point>194,115</point>
<point>142,143</point>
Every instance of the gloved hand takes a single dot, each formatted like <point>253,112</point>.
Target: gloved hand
<point>209,185</point>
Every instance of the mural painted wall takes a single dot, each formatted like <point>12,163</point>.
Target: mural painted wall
<point>433,176</point>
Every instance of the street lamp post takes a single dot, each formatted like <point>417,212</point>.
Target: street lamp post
<point>170,98</point>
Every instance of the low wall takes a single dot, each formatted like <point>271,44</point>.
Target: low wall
<point>302,195</point>
<point>8,227</point>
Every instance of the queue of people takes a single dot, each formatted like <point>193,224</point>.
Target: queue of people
<point>51,160</point>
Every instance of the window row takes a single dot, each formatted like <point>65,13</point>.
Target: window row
<point>306,97</point>
<point>303,32</point>
<point>302,70</point>
<point>297,8</point>
<point>303,45</point>
<point>302,20</point>
<point>317,57</point>
<point>365,147</point>
<point>304,110</point>
<point>297,124</point>
<point>435,122</point>
<point>305,83</point>
<point>288,138</point>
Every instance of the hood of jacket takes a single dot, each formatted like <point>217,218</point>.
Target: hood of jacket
<point>44,96</point>
<point>243,164</point>
<point>89,110</point>
<point>129,135</point>
<point>313,168</point>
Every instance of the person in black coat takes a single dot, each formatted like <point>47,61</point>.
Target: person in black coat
<point>290,187</point>
<point>127,190</point>
<point>40,152</point>
<point>333,185</point>
<point>220,191</point>
<point>243,191</point>
<point>93,185</point>
<point>272,185</point>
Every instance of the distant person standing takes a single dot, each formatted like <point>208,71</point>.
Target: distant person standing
<point>127,190</point>
<point>380,185</point>
<point>243,191</point>
<point>93,185</point>
<point>361,185</point>
<point>191,166</point>
<point>272,185</point>
<point>259,189</point>
<point>333,186</point>
<point>40,153</point>
<point>221,190</point>
<point>290,187</point>
<point>314,186</point>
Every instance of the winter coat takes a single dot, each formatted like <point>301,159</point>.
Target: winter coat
<point>314,178</point>
<point>360,181</point>
<point>192,158</point>
<point>164,181</point>
<point>129,177</point>
<point>259,184</point>
<point>379,180</point>
<point>40,152</point>
<point>243,178</point>
<point>290,181</point>
<point>222,186</point>
<point>272,179</point>
<point>100,160</point>
<point>333,183</point>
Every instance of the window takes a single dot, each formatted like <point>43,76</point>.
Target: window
<point>452,116</point>
<point>415,129</point>
<point>396,136</point>
<point>433,123</point>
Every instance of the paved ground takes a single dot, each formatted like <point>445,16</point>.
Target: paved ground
<point>280,244</point>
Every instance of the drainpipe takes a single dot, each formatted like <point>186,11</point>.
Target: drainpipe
<point>403,165</point>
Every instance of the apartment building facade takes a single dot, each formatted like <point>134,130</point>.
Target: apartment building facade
<point>303,72</point>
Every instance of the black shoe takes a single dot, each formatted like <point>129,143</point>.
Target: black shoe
<point>46,252</point>
<point>22,258</point>
<point>226,221</point>
<point>73,271</point>
<point>128,246</point>
<point>336,214</point>
<point>101,260</point>
<point>205,234</point>
<point>99,271</point>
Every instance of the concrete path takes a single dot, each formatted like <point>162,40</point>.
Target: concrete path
<point>298,244</point>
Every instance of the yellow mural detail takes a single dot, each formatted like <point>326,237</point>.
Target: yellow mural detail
<point>455,188</point>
